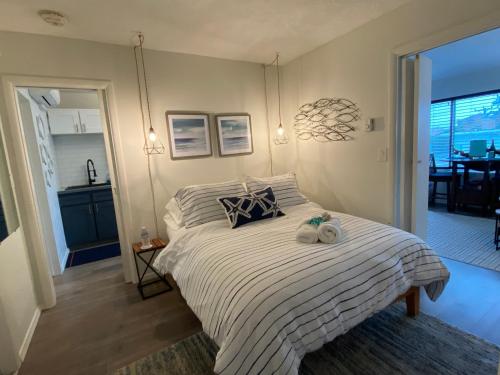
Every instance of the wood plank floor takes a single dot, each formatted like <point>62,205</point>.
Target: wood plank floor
<point>100,323</point>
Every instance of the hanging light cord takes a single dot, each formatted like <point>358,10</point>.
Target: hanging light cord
<point>267,121</point>
<point>141,101</point>
<point>278,80</point>
<point>141,39</point>
<point>276,60</point>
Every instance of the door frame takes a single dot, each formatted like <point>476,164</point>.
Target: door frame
<point>396,137</point>
<point>23,183</point>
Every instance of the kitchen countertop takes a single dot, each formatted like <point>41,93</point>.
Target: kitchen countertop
<point>84,189</point>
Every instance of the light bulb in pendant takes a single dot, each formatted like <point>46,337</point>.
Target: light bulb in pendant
<point>152,135</point>
<point>280,130</point>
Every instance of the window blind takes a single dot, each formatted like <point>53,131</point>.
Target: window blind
<point>441,132</point>
<point>456,122</point>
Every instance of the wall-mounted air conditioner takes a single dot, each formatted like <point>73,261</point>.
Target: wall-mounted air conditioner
<point>46,98</point>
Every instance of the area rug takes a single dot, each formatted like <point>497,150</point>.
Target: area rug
<point>387,343</point>
<point>468,239</point>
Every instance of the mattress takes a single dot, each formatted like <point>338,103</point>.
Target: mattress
<point>267,300</point>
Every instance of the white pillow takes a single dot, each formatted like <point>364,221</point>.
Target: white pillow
<point>284,187</point>
<point>199,205</point>
<point>175,212</point>
<point>172,227</point>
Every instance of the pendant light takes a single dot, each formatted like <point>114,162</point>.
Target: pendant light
<point>280,138</point>
<point>152,135</point>
<point>152,147</point>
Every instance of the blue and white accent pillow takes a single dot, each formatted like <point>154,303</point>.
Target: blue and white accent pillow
<point>246,208</point>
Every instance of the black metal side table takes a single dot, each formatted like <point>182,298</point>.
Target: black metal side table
<point>140,254</point>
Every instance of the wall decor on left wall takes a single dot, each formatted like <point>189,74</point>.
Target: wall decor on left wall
<point>234,134</point>
<point>188,134</point>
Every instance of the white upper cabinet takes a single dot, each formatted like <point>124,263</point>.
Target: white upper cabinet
<point>74,121</point>
<point>90,121</point>
<point>64,121</point>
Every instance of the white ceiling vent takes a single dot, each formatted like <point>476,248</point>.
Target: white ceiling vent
<point>52,17</point>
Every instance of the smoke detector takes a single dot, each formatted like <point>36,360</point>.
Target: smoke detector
<point>52,17</point>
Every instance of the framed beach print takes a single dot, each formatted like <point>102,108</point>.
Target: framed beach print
<point>234,133</point>
<point>188,134</point>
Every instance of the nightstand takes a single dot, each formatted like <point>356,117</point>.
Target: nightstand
<point>142,256</point>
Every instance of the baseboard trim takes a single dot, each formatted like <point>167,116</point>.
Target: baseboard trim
<point>29,334</point>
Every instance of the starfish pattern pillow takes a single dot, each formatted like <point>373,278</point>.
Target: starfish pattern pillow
<point>247,208</point>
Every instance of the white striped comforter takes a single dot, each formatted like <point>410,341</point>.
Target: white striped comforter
<point>267,300</point>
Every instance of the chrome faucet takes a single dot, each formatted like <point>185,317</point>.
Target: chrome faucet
<point>91,180</point>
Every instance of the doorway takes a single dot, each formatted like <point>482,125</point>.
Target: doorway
<point>66,150</point>
<point>30,213</point>
<point>449,172</point>
<point>450,122</point>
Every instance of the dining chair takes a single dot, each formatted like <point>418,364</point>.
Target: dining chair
<point>436,176</point>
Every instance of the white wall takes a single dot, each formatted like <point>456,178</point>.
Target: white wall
<point>346,176</point>
<point>465,84</point>
<point>16,314</point>
<point>79,99</point>
<point>176,82</point>
<point>8,356</point>
<point>18,305</point>
<point>72,152</point>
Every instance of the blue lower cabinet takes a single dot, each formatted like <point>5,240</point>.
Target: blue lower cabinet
<point>105,220</point>
<point>88,217</point>
<point>79,224</point>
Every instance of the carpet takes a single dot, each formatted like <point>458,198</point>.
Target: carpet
<point>468,239</point>
<point>78,257</point>
<point>387,343</point>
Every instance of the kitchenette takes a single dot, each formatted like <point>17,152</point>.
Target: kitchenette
<point>72,152</point>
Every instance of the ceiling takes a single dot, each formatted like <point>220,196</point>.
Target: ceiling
<point>468,55</point>
<point>248,30</point>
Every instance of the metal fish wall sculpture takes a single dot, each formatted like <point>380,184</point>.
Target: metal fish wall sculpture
<point>326,120</point>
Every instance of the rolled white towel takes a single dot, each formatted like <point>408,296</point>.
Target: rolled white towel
<point>307,233</point>
<point>330,231</point>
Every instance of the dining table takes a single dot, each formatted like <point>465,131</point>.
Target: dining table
<point>461,187</point>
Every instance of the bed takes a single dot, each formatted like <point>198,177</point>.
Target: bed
<point>267,300</point>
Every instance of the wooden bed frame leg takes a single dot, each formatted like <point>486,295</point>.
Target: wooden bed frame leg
<point>413,301</point>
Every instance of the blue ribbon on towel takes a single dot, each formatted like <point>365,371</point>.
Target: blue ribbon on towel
<point>318,220</point>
